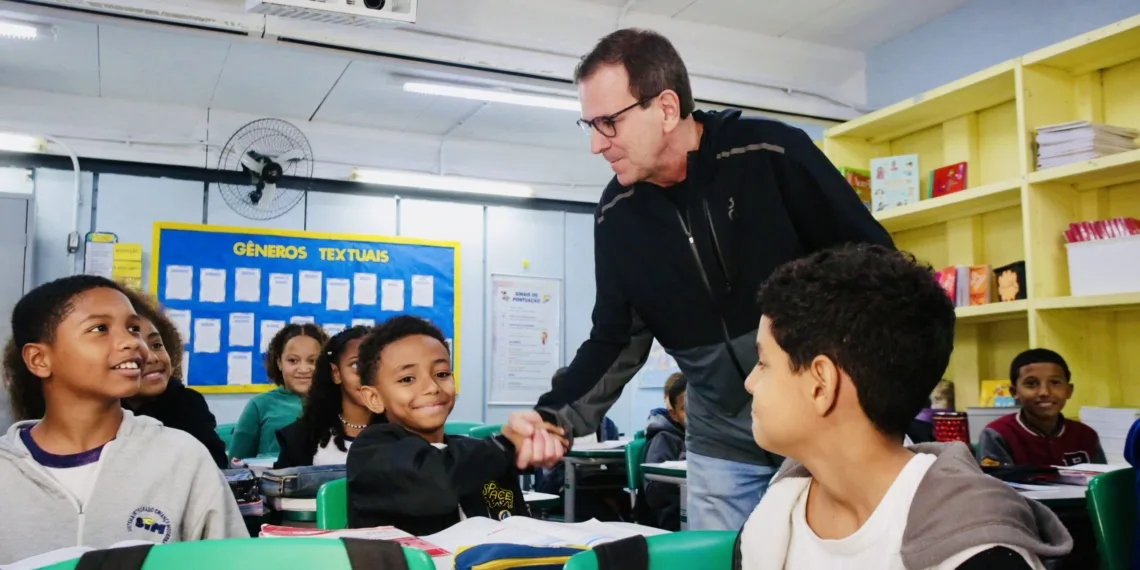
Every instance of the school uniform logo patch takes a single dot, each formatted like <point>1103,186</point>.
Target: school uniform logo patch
<point>1076,458</point>
<point>151,523</point>
<point>989,462</point>
<point>498,500</point>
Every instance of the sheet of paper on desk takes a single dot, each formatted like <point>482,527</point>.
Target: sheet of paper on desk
<point>1093,467</point>
<point>530,532</point>
<point>682,465</point>
<point>599,445</point>
<point>376,533</point>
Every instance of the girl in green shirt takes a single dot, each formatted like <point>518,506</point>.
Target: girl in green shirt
<point>290,362</point>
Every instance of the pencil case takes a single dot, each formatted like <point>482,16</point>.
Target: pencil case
<point>298,482</point>
<point>508,556</point>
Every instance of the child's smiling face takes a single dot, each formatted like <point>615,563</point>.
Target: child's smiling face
<point>1042,390</point>
<point>414,385</point>
<point>97,349</point>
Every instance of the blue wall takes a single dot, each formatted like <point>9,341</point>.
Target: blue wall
<point>978,35</point>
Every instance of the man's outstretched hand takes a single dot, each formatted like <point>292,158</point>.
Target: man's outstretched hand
<point>537,443</point>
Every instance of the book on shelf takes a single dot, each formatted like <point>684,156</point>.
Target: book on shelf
<point>1078,141</point>
<point>947,180</point>
<point>995,394</point>
<point>1096,230</point>
<point>971,285</point>
<point>894,181</point>
<point>860,181</point>
<point>1010,281</point>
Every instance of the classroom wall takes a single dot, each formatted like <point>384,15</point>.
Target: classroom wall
<point>494,239</point>
<point>977,35</point>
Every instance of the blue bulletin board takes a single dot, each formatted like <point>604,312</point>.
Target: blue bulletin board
<point>229,290</point>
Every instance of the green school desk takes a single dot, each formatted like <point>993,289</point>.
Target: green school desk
<point>673,473</point>
<point>580,462</point>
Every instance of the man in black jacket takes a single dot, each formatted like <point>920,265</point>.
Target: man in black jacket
<point>702,208</point>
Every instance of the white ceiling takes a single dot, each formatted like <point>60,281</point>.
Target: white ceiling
<point>852,24</point>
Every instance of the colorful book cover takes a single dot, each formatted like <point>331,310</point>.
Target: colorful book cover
<point>860,181</point>
<point>1010,281</point>
<point>979,284</point>
<point>894,181</point>
<point>947,278</point>
<point>947,180</point>
<point>995,394</point>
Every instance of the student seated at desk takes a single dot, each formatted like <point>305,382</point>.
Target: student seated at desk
<point>407,473</point>
<point>333,414</point>
<point>289,362</point>
<point>81,470</point>
<point>665,435</point>
<point>850,343</point>
<point>1039,435</point>
<point>162,395</point>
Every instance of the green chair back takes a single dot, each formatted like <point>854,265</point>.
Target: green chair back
<point>1112,508</point>
<point>639,434</point>
<point>460,428</point>
<point>332,505</point>
<point>634,457</point>
<point>685,550</point>
<point>256,554</point>
<point>483,432</point>
<point>226,433</point>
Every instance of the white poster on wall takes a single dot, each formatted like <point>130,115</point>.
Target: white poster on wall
<point>526,337</point>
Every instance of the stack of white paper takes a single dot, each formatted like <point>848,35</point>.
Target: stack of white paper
<point>1112,425</point>
<point>1081,140</point>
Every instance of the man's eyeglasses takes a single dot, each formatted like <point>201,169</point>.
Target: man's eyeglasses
<point>607,126</point>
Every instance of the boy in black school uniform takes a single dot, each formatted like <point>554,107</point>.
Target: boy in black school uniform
<point>1039,435</point>
<point>665,441</point>
<point>405,472</point>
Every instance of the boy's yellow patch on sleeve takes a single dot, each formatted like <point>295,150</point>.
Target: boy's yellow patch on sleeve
<point>989,462</point>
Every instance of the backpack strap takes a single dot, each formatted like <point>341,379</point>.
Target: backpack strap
<point>126,558</point>
<point>626,554</point>
<point>365,554</point>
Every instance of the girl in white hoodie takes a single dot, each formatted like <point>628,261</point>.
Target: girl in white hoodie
<point>80,470</point>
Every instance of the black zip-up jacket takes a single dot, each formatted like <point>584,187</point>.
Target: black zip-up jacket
<point>181,408</point>
<point>683,265</point>
<point>397,478</point>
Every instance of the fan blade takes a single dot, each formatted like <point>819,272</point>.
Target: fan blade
<point>268,196</point>
<point>290,156</point>
<point>252,163</point>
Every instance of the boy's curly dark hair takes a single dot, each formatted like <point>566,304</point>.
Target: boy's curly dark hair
<point>34,319</point>
<point>148,308</point>
<point>283,336</point>
<point>320,416</point>
<point>392,330</point>
<point>877,313</point>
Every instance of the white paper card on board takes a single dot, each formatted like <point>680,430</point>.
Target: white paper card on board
<point>212,285</point>
<point>207,335</point>
<point>247,285</point>
<point>333,328</point>
<point>239,368</point>
<point>268,331</point>
<point>364,289</point>
<point>363,323</point>
<point>392,295</point>
<point>423,290</point>
<point>280,289</point>
<point>337,294</point>
<point>309,290</point>
<point>241,329</point>
<point>179,282</point>
<point>185,366</point>
<point>299,320</point>
<point>181,320</point>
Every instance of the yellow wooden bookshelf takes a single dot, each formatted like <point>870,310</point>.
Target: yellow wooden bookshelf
<point>1010,211</point>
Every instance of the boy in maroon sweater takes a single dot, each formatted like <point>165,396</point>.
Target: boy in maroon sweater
<point>1039,435</point>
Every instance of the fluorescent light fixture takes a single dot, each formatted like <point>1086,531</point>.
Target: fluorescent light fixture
<point>446,183</point>
<point>17,30</point>
<point>21,143</point>
<point>494,96</point>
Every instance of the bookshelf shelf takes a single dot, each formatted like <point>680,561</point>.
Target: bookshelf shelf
<point>1010,212</point>
<point>993,312</point>
<point>1117,302</point>
<point>983,89</point>
<point>1109,170</point>
<point>962,204</point>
